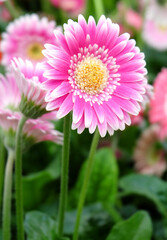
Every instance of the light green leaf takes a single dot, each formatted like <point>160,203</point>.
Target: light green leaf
<point>148,186</point>
<point>138,227</point>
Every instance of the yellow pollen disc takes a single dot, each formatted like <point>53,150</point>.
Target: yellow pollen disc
<point>34,51</point>
<point>91,76</point>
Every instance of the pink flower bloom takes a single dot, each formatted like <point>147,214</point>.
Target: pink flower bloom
<point>25,38</point>
<point>35,130</point>
<point>158,105</point>
<point>29,79</point>
<point>96,73</point>
<point>73,7</point>
<point>149,160</point>
<point>155,26</point>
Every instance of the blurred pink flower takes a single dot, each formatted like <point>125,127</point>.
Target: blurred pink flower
<point>155,26</point>
<point>158,105</point>
<point>29,79</point>
<point>149,160</point>
<point>25,38</point>
<point>73,7</point>
<point>138,120</point>
<point>36,130</point>
<point>96,73</point>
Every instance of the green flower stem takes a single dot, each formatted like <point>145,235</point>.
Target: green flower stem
<point>2,163</point>
<point>85,183</point>
<point>64,173</point>
<point>13,12</point>
<point>6,231</point>
<point>99,8</point>
<point>18,180</point>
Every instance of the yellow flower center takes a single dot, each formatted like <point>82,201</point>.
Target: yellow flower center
<point>91,75</point>
<point>34,51</point>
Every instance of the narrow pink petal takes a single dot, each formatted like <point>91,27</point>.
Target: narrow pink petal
<point>99,112</point>
<point>125,92</point>
<point>131,66</point>
<point>93,123</point>
<point>61,90</point>
<point>53,105</point>
<point>131,77</point>
<point>88,114</point>
<point>61,40</point>
<point>92,28</point>
<point>126,105</point>
<point>115,108</point>
<point>102,128</point>
<point>72,43</point>
<point>82,23</point>
<point>65,107</point>
<point>117,49</point>
<point>78,109</point>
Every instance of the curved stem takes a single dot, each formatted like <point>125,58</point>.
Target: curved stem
<point>6,231</point>
<point>18,180</point>
<point>11,9</point>
<point>64,173</point>
<point>85,183</point>
<point>99,9</point>
<point>2,163</point>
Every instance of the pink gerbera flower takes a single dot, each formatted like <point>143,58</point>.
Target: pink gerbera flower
<point>29,79</point>
<point>155,26</point>
<point>95,73</point>
<point>148,159</point>
<point>34,130</point>
<point>158,105</point>
<point>25,38</point>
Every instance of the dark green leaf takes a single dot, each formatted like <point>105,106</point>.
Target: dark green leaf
<point>148,186</point>
<point>33,184</point>
<point>138,227</point>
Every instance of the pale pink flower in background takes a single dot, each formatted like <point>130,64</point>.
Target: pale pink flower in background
<point>25,38</point>
<point>36,130</point>
<point>158,105</point>
<point>155,26</point>
<point>29,79</point>
<point>95,73</point>
<point>73,7</point>
<point>149,160</point>
<point>139,119</point>
<point>4,13</point>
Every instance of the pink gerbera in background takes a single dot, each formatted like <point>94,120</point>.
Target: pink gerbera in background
<point>35,130</point>
<point>73,7</point>
<point>25,38</point>
<point>158,105</point>
<point>149,160</point>
<point>29,79</point>
<point>95,73</point>
<point>155,25</point>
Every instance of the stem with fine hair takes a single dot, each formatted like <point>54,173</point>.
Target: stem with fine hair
<point>85,183</point>
<point>99,8</point>
<point>64,174</point>
<point>6,231</point>
<point>2,163</point>
<point>18,180</point>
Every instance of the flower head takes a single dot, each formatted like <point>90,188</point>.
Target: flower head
<point>35,130</point>
<point>158,105</point>
<point>96,73</point>
<point>25,38</point>
<point>148,159</point>
<point>29,79</point>
<point>155,26</point>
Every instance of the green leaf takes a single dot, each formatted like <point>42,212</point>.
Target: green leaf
<point>104,175</point>
<point>34,184</point>
<point>150,187</point>
<point>135,228</point>
<point>39,225</point>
